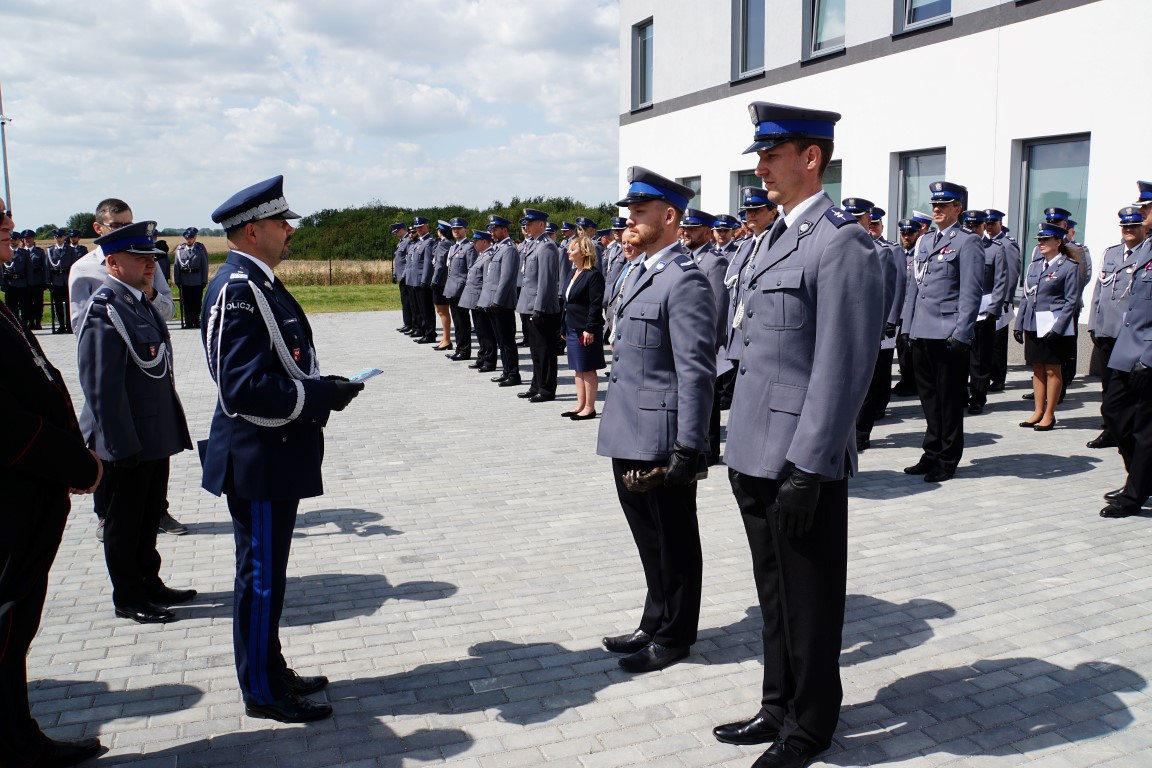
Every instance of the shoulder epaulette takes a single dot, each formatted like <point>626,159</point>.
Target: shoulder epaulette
<point>685,263</point>
<point>103,295</point>
<point>839,217</point>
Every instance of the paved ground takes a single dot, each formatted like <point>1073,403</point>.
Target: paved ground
<point>455,581</point>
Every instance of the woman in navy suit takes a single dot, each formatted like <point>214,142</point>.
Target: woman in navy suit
<point>584,325</point>
<point>1045,324</point>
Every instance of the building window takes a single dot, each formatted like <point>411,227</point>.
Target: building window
<point>916,171</point>
<point>750,37</point>
<point>642,64</point>
<point>915,13</point>
<point>832,180</point>
<point>692,182</point>
<point>823,27</point>
<point>1054,173</point>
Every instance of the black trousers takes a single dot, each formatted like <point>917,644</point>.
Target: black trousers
<point>30,534</point>
<point>941,383</point>
<point>981,361</point>
<point>485,338</point>
<point>1127,415</point>
<point>263,533</point>
<point>61,307</point>
<point>667,535</point>
<point>542,335</point>
<point>427,310</point>
<point>1101,351</point>
<point>16,297</point>
<point>406,304</point>
<point>999,359</point>
<point>504,326</point>
<point>136,499</point>
<point>191,297</point>
<point>724,382</point>
<point>800,584</point>
<point>34,306</point>
<point>462,326</point>
<point>879,392</point>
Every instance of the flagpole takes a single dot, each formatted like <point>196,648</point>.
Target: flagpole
<point>4,153</point>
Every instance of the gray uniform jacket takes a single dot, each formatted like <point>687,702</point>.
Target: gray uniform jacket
<point>470,295</point>
<point>89,273</point>
<point>664,362</point>
<point>538,265</point>
<point>440,261</point>
<point>191,265</point>
<point>613,255</point>
<point>413,262</point>
<point>400,261</point>
<point>715,265</point>
<point>427,252</point>
<point>1113,287</point>
<point>728,355</point>
<point>1132,342</point>
<point>1014,260</point>
<point>888,269</point>
<point>1084,272</point>
<point>460,257</point>
<point>813,310</point>
<point>943,297</point>
<point>563,267</point>
<point>895,274</point>
<point>995,280</point>
<point>500,277</point>
<point>1050,287</point>
<point>131,407</point>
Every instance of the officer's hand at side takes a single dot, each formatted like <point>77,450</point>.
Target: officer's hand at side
<point>1140,377</point>
<point>1092,335</point>
<point>796,503</point>
<point>343,393</point>
<point>902,342</point>
<point>129,463</point>
<point>889,330</point>
<point>1019,336</point>
<point>334,377</point>
<point>954,344</point>
<point>682,466</point>
<point>1050,335</point>
<point>537,316</point>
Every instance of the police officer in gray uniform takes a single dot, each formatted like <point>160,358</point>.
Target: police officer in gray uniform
<point>399,266</point>
<point>995,231</point>
<point>498,296</point>
<point>992,301</point>
<point>940,309</point>
<point>461,256</point>
<point>655,415</point>
<point>811,314</point>
<point>191,275</point>
<point>470,301</point>
<point>540,306</point>
<point>1111,298</point>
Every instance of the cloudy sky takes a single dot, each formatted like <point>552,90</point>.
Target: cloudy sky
<point>175,106</point>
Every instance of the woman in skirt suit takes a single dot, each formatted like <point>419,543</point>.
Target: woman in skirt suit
<point>584,325</point>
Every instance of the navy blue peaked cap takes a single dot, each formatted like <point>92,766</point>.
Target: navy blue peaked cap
<point>264,200</point>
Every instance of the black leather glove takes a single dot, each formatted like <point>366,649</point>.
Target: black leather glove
<point>889,330</point>
<point>993,316</point>
<point>334,378</point>
<point>1140,377</point>
<point>129,463</point>
<point>902,343</point>
<point>343,392</point>
<point>954,344</point>
<point>682,465</point>
<point>1019,336</point>
<point>537,316</point>
<point>796,503</point>
<point>1092,335</point>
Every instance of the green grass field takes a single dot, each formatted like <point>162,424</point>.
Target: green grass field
<point>346,298</point>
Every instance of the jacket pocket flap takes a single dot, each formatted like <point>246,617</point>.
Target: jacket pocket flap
<point>656,399</point>
<point>782,279</point>
<point>786,397</point>
<point>644,311</point>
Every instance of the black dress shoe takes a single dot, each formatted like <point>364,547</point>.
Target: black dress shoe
<point>64,752</point>
<point>863,442</point>
<point>145,613</point>
<point>652,657</point>
<point>756,730</point>
<point>476,364</point>
<point>1103,440</point>
<point>439,348</point>
<point>485,369</point>
<point>569,414</point>
<point>975,410</point>
<point>526,394</point>
<point>163,595</point>
<point>501,378</point>
<point>627,643</point>
<point>301,685</point>
<point>512,380</point>
<point>541,397</point>
<point>1045,427</point>
<point>458,356</point>
<point>584,417</point>
<point>404,329</point>
<point>429,339</point>
<point>1028,396</point>
<point>290,709</point>
<point>1028,424</point>
<point>939,475</point>
<point>1119,510</point>
<point>920,468</point>
<point>784,755</point>
<point>1113,495</point>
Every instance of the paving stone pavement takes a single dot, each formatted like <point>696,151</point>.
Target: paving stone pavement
<point>469,554</point>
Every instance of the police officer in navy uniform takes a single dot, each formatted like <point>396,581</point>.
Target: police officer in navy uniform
<point>498,296</point>
<point>539,305</point>
<point>58,260</point>
<point>470,301</point>
<point>998,234</point>
<point>399,265</point>
<point>191,276</point>
<point>132,419</point>
<point>1110,299</point>
<point>16,281</point>
<point>42,456</point>
<point>266,441</point>
<point>564,266</point>
<point>940,309</point>
<point>461,256</point>
<point>811,314</point>
<point>993,298</point>
<point>37,280</point>
<point>655,415</point>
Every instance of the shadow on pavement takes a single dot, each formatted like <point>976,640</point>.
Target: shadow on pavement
<point>347,520</point>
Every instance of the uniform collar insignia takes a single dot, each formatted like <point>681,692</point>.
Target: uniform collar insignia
<point>268,285</point>
<point>660,265</point>
<point>807,225</point>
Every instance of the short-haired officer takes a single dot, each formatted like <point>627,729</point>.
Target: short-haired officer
<point>470,302</point>
<point>995,231</point>
<point>993,298</point>
<point>498,296</point>
<point>910,231</point>
<point>461,256</point>
<point>191,275</point>
<point>539,306</point>
<point>399,266</point>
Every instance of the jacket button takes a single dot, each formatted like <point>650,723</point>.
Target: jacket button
<point>663,404</point>
<point>749,314</point>
<point>616,359</point>
<point>615,378</point>
<point>743,371</point>
<point>777,282</point>
<point>753,285</point>
<point>747,342</point>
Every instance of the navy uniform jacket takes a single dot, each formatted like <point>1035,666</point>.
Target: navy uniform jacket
<point>664,362</point>
<point>191,267</point>
<point>813,310</point>
<point>1050,287</point>
<point>399,260</point>
<point>943,297</point>
<point>17,269</point>
<point>1113,287</point>
<point>1132,342</point>
<point>715,265</point>
<point>59,261</point>
<point>538,264</point>
<point>461,256</point>
<point>131,408</point>
<point>470,296</point>
<point>37,272</point>
<point>499,289</point>
<point>440,261</point>
<point>278,456</point>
